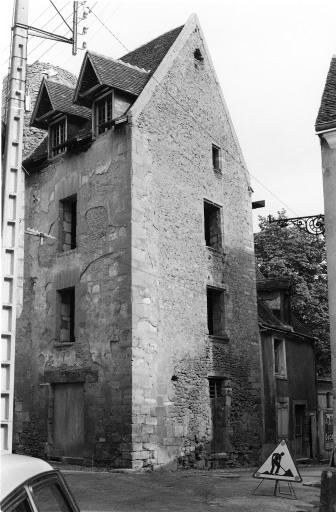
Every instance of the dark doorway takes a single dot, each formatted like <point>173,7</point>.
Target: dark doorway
<point>68,419</point>
<point>218,413</point>
<point>300,432</point>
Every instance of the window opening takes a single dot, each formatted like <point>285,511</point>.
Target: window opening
<point>68,214</point>
<point>57,138</point>
<point>198,55</point>
<point>279,358</point>
<point>329,400</point>
<point>67,315</point>
<point>215,307</point>
<point>103,114</point>
<point>216,158</point>
<point>212,225</point>
<point>215,387</point>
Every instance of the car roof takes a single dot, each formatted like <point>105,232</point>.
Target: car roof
<point>16,469</point>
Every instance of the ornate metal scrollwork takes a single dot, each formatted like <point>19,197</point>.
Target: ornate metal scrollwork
<point>313,224</point>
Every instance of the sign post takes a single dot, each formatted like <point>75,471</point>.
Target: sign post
<point>280,467</point>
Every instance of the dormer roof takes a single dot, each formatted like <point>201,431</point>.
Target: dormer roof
<point>326,118</point>
<point>100,73</point>
<point>129,74</point>
<point>53,99</point>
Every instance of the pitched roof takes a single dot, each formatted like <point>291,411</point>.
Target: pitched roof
<point>150,55</point>
<point>130,73</point>
<point>61,98</point>
<point>56,98</point>
<point>269,320</point>
<point>119,75</point>
<point>326,118</point>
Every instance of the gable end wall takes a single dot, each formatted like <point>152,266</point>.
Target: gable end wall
<point>173,355</point>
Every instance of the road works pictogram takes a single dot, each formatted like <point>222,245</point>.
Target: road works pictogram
<point>279,466</point>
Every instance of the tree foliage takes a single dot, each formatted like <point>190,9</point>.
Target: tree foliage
<point>292,252</point>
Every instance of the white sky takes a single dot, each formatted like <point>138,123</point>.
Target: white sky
<point>271,58</point>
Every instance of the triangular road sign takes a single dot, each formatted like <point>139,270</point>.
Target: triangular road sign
<point>279,466</point>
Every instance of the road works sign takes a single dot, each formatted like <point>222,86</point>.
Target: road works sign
<point>279,466</point>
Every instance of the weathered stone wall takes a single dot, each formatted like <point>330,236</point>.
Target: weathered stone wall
<point>174,126</point>
<point>35,73</point>
<point>99,268</point>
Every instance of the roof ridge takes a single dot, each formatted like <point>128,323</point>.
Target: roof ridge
<point>119,61</point>
<point>48,80</point>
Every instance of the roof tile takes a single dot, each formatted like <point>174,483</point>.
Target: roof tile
<point>119,75</point>
<point>150,55</point>
<point>326,118</point>
<point>61,97</point>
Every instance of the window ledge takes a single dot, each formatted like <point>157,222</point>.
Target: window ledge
<point>64,344</point>
<point>55,157</point>
<point>213,250</point>
<point>65,253</point>
<point>216,338</point>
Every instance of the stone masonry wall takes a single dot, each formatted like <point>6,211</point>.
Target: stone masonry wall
<point>173,355</point>
<point>35,73</point>
<point>99,268</point>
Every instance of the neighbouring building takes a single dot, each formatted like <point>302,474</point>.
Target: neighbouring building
<point>325,127</point>
<point>138,342</point>
<point>289,372</point>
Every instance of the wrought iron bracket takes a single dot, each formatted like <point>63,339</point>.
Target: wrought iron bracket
<point>312,224</point>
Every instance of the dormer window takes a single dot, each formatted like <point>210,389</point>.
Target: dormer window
<point>103,114</point>
<point>57,137</point>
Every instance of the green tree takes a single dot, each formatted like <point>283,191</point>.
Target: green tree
<point>292,252</point>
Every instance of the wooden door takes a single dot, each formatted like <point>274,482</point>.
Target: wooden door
<point>69,419</point>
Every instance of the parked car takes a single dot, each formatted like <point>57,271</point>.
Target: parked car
<point>29,485</point>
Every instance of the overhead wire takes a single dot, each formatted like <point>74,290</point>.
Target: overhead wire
<point>34,21</point>
<point>51,29</point>
<point>43,26</point>
<point>109,30</point>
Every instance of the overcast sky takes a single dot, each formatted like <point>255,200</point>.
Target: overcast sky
<point>271,58</point>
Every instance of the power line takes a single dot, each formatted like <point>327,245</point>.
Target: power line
<point>43,26</point>
<point>52,29</point>
<point>59,12</point>
<point>109,30</point>
<point>34,21</point>
<point>274,195</point>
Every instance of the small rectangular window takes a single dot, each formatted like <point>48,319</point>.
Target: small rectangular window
<point>66,314</point>
<point>57,138</point>
<point>279,358</point>
<point>216,158</point>
<point>68,220</point>
<point>103,114</point>
<point>212,225</point>
<point>215,387</point>
<point>215,307</point>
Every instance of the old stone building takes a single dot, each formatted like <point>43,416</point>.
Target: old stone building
<point>138,342</point>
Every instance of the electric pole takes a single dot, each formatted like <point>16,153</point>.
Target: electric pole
<point>13,190</point>
<point>12,215</point>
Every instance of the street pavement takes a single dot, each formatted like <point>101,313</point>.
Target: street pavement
<point>189,490</point>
